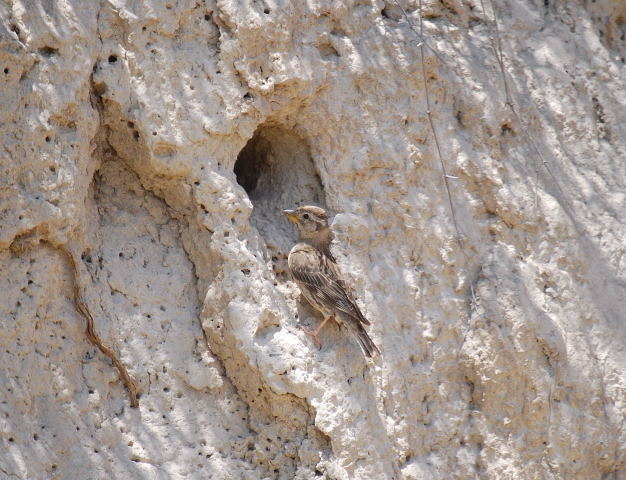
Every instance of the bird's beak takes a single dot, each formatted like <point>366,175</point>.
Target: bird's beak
<point>291,215</point>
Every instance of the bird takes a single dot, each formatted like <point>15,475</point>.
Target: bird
<point>314,269</point>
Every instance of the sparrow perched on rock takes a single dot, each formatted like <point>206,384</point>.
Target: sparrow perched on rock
<point>314,269</point>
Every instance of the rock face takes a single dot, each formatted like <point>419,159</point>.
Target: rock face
<point>157,143</point>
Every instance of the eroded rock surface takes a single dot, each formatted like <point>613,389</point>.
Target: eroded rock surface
<point>158,143</point>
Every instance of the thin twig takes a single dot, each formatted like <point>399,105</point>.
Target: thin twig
<point>446,177</point>
<point>420,34</point>
<point>438,147</point>
<point>92,335</point>
<point>497,47</point>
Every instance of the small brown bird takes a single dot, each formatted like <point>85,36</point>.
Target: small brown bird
<point>314,269</point>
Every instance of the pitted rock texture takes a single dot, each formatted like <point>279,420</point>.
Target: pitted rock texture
<point>160,141</point>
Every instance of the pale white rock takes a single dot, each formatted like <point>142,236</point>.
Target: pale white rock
<point>160,141</point>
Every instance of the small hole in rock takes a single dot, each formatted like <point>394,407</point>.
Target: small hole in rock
<point>392,12</point>
<point>6,71</point>
<point>48,51</point>
<point>112,58</point>
<point>266,11</point>
<point>327,50</point>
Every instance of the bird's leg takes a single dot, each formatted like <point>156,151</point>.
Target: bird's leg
<point>313,333</point>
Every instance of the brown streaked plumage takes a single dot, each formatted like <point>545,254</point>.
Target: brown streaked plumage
<point>313,268</point>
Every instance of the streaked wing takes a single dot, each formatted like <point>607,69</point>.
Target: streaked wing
<point>322,278</point>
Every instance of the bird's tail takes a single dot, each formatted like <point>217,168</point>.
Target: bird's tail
<point>368,346</point>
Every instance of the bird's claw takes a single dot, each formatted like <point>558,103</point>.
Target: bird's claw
<point>313,335</point>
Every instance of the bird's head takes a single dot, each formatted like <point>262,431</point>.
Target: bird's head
<point>310,221</point>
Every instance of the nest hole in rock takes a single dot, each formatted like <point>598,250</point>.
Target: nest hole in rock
<point>277,171</point>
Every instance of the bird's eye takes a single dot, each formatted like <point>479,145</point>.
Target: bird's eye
<point>305,216</point>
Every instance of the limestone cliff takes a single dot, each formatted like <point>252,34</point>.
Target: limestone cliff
<point>473,156</point>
